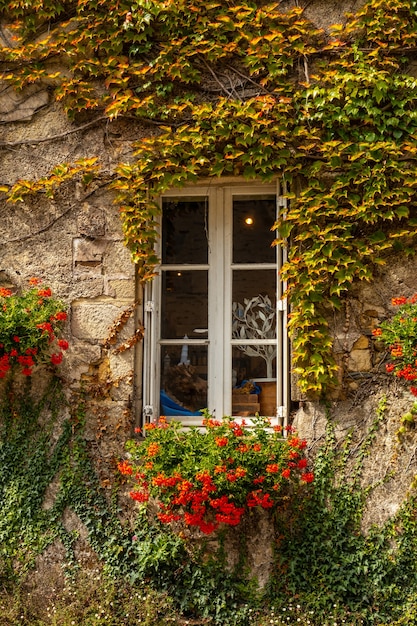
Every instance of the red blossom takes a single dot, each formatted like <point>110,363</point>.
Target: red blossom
<point>56,359</point>
<point>34,281</point>
<point>398,301</point>
<point>377,332</point>
<point>63,344</point>
<point>221,441</point>
<point>139,496</point>
<point>211,423</point>
<point>273,468</point>
<point>308,477</point>
<point>125,468</point>
<point>44,293</point>
<point>16,339</point>
<point>46,328</point>
<point>286,473</point>
<point>153,449</point>
<point>167,518</point>
<point>389,367</point>
<point>60,316</point>
<point>5,293</point>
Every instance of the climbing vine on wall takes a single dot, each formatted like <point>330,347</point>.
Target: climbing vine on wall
<point>245,88</point>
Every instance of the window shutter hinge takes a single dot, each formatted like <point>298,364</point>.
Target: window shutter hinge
<point>148,410</point>
<point>149,306</point>
<point>281,201</point>
<point>281,411</point>
<point>282,305</point>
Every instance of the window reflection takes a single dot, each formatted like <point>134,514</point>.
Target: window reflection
<point>184,303</point>
<point>253,218</point>
<point>184,231</point>
<point>183,378</point>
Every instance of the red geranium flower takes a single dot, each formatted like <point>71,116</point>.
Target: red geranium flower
<point>44,293</point>
<point>56,359</point>
<point>308,477</point>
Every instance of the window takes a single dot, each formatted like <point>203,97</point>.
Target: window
<point>215,329</point>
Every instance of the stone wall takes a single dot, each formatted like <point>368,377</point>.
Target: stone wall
<point>74,244</point>
<point>364,384</point>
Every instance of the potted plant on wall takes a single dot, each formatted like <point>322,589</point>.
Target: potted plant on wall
<point>256,318</point>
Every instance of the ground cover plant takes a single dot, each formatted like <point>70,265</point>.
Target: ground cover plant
<point>323,559</point>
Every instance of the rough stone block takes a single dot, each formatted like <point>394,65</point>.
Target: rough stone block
<point>362,343</point>
<point>121,365</point>
<point>359,361</point>
<point>117,261</point>
<point>88,255</point>
<point>91,221</point>
<point>120,288</point>
<point>20,107</point>
<point>91,320</point>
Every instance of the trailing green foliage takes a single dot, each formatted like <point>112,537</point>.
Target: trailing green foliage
<point>244,89</point>
<point>323,557</point>
<point>328,561</point>
<point>26,452</point>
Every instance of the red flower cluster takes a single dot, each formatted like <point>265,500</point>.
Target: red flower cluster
<point>398,301</point>
<point>28,329</point>
<point>399,335</point>
<point>240,468</point>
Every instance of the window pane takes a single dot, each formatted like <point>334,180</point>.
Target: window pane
<point>184,304</point>
<point>253,362</point>
<point>184,231</point>
<point>183,379</point>
<point>253,218</point>
<point>254,304</point>
<point>253,374</point>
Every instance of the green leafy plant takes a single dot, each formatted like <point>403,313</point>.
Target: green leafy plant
<point>210,478</point>
<point>400,336</point>
<point>30,328</point>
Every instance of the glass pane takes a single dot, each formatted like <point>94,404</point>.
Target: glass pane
<point>254,304</point>
<point>184,230</point>
<point>184,304</point>
<point>253,218</point>
<point>253,380</point>
<point>253,362</point>
<point>183,379</point>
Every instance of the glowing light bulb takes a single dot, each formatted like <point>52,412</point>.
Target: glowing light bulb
<point>249,221</point>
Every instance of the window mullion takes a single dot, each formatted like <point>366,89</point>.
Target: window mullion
<point>215,298</point>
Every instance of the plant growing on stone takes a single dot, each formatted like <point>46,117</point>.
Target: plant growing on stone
<point>205,479</point>
<point>400,336</point>
<point>30,328</point>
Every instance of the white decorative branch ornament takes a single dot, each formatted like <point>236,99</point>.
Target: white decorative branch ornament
<point>256,319</point>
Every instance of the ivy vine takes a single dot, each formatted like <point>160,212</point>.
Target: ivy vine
<point>245,88</point>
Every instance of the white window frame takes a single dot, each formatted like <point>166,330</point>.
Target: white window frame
<point>220,194</point>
